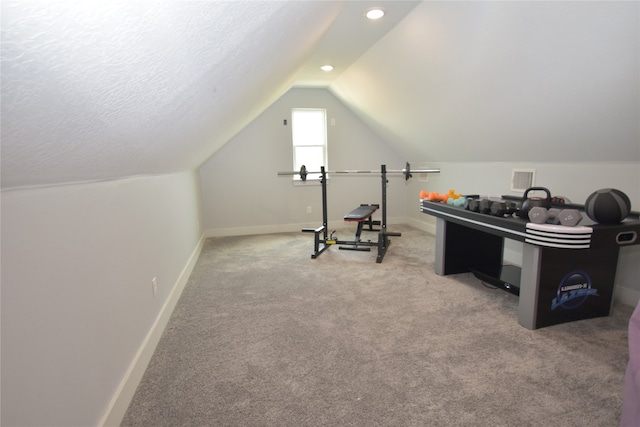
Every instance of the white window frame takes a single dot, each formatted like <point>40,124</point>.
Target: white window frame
<point>297,145</point>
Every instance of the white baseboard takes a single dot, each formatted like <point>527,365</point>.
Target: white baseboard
<point>284,228</point>
<point>259,229</point>
<point>127,388</point>
<point>422,225</point>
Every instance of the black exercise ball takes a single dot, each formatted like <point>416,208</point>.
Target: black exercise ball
<point>607,206</point>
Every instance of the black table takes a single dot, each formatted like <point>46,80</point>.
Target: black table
<point>567,273</point>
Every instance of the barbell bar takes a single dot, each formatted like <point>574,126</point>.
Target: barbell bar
<point>303,172</point>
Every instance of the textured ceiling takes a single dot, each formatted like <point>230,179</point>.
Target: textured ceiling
<point>110,89</point>
<point>103,90</point>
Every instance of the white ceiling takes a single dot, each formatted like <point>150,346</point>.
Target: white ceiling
<point>94,91</point>
<point>493,81</point>
<point>103,90</point>
<point>349,37</point>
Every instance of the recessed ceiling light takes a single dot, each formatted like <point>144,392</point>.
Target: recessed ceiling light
<point>375,13</point>
<point>326,67</point>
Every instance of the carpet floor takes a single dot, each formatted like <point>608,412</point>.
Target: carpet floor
<point>265,336</point>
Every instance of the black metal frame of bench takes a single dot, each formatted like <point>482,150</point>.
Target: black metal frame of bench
<point>322,240</point>
<point>363,215</point>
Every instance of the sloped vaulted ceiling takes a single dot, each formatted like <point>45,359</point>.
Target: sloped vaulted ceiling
<point>103,90</point>
<point>109,89</point>
<point>531,81</point>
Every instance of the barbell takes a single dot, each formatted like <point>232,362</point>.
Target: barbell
<point>303,172</point>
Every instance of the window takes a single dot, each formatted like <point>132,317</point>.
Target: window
<point>309,135</point>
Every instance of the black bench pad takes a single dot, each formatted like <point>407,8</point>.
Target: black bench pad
<point>361,213</point>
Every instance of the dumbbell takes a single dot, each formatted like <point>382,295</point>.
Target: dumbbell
<point>460,201</point>
<point>503,208</point>
<point>568,217</point>
<point>485,206</point>
<point>478,205</point>
<point>472,204</point>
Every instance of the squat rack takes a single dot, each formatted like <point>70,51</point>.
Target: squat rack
<point>320,244</point>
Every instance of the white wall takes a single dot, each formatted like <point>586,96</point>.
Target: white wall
<point>243,195</point>
<point>77,300</point>
<point>483,87</point>
<point>573,180</point>
<point>242,192</point>
<point>523,81</point>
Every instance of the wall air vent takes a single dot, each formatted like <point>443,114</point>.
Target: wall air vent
<point>521,179</point>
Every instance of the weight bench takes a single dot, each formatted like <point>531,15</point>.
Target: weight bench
<point>363,216</point>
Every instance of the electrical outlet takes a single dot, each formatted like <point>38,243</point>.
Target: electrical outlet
<point>308,209</point>
<point>423,177</point>
<point>154,286</point>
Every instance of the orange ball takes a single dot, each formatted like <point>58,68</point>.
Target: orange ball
<point>423,194</point>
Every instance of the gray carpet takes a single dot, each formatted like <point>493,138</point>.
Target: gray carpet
<point>265,336</point>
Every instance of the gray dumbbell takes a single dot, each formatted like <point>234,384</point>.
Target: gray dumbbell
<point>541,215</point>
<point>568,217</point>
<point>473,205</point>
<point>485,206</point>
<point>503,208</point>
